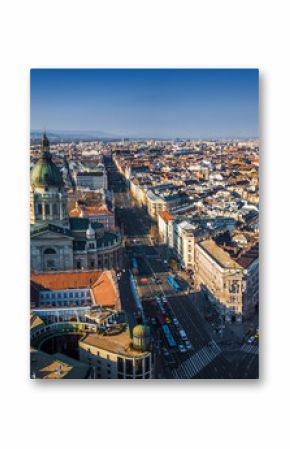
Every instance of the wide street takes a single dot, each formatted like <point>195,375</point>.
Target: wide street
<point>212,352</point>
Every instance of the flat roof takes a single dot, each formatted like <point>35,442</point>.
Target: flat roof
<point>56,366</point>
<point>218,254</point>
<point>118,344</point>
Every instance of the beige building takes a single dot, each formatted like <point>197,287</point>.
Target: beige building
<point>233,286</point>
<point>57,241</point>
<point>165,219</point>
<point>117,356</point>
<point>184,243</point>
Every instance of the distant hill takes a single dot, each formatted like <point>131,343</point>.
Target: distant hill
<point>35,135</point>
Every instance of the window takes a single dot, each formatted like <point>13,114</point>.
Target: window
<point>147,363</point>
<point>78,265</point>
<point>92,264</point>
<point>47,209</point>
<point>39,209</point>
<point>49,251</point>
<point>55,209</point>
<point>120,364</point>
<point>138,367</point>
<point>129,366</point>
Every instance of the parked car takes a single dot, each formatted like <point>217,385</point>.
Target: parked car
<point>181,348</point>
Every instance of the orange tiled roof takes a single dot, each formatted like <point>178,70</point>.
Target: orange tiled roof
<point>100,282</point>
<point>90,210</point>
<point>166,216</point>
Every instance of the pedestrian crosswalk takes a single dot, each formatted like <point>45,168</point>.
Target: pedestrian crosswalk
<point>250,349</point>
<point>193,365</point>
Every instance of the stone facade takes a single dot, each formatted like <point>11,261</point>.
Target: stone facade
<point>58,242</point>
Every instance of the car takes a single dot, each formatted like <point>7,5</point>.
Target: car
<point>167,320</point>
<point>153,321</point>
<point>188,345</point>
<point>175,321</point>
<point>251,339</point>
<point>165,351</point>
<point>181,348</point>
<point>182,334</point>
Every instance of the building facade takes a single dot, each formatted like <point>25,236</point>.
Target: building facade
<point>117,356</point>
<point>233,288</point>
<point>93,180</point>
<point>57,241</point>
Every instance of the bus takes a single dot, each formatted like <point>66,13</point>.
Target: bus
<point>172,282</point>
<point>168,336</point>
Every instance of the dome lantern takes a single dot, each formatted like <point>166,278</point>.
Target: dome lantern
<point>141,337</point>
<point>90,233</point>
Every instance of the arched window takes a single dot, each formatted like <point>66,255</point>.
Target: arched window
<point>49,251</point>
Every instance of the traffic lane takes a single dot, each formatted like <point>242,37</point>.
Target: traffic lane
<point>179,357</point>
<point>127,300</point>
<point>132,228</point>
<point>190,321</point>
<point>219,368</point>
<point>245,366</point>
<point>164,370</point>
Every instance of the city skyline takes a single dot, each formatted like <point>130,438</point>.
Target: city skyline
<point>152,103</point>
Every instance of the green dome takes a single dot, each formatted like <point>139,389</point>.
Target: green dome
<point>45,173</point>
<point>141,331</point>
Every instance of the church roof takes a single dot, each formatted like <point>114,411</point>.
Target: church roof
<point>82,224</point>
<point>45,173</point>
<point>48,227</point>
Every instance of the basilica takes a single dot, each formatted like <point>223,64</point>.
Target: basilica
<point>58,242</point>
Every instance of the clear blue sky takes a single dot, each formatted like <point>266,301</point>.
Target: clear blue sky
<point>147,103</point>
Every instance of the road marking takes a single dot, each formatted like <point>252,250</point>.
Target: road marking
<point>194,364</point>
<point>250,349</point>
